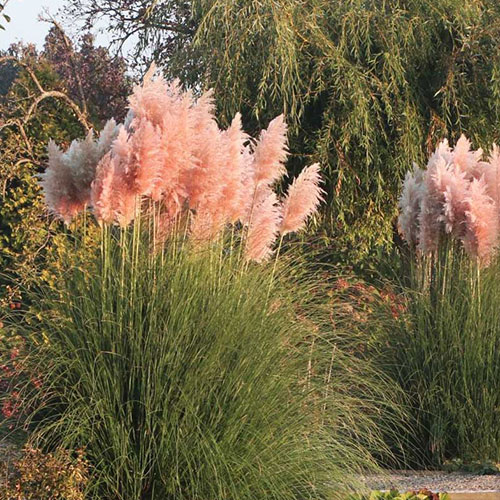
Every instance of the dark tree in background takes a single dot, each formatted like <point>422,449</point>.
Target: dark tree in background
<point>89,74</point>
<point>368,86</point>
<point>152,30</point>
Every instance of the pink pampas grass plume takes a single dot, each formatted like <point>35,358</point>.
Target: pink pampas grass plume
<point>145,158</point>
<point>482,227</point>
<point>102,193</point>
<point>451,182</point>
<point>204,181</point>
<point>270,153</point>
<point>491,172</point>
<point>176,154</point>
<point>61,196</point>
<point>429,218</point>
<point>152,98</point>
<point>234,171</point>
<point>410,205</point>
<point>466,159</point>
<point>302,200</point>
<point>111,196</point>
<point>263,229</point>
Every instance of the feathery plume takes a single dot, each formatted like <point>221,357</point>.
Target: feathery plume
<point>410,205</point>
<point>466,159</point>
<point>263,229</point>
<point>481,236</point>
<point>491,172</point>
<point>431,209</point>
<point>61,195</point>
<point>102,194</point>
<point>302,200</point>
<point>271,152</point>
<point>232,203</point>
<point>451,185</point>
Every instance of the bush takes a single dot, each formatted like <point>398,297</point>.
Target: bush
<point>190,374</point>
<point>447,352</point>
<point>39,476</point>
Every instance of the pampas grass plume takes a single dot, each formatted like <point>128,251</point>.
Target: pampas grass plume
<point>271,152</point>
<point>263,229</point>
<point>302,200</point>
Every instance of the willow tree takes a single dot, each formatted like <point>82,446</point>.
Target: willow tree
<point>368,86</point>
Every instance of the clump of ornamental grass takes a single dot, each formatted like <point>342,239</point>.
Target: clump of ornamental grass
<point>448,345</point>
<point>190,374</point>
<point>447,353</point>
<point>185,364</point>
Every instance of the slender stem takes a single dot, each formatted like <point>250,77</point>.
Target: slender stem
<point>271,280</point>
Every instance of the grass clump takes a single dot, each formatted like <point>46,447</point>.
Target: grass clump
<point>447,352</point>
<point>193,374</point>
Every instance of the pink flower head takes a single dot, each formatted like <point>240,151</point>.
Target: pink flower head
<point>481,236</point>
<point>271,152</point>
<point>491,172</point>
<point>453,185</point>
<point>302,200</point>
<point>234,173</point>
<point>466,159</point>
<point>263,229</point>
<point>431,207</point>
<point>112,198</point>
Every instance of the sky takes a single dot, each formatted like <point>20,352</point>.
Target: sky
<point>25,25</point>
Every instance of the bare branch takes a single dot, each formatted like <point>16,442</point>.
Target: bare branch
<point>82,118</point>
<point>81,114</point>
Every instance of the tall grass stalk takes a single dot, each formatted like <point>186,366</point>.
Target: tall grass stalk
<point>448,354</point>
<point>188,374</point>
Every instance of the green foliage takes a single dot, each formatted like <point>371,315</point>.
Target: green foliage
<point>447,352</point>
<point>396,495</point>
<point>365,85</point>
<point>26,237</point>
<point>481,468</point>
<point>190,374</point>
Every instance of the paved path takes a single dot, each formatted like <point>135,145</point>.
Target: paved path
<point>434,481</point>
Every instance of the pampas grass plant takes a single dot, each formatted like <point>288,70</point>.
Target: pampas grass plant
<point>447,350</point>
<point>187,373</point>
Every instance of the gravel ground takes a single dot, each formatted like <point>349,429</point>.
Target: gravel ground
<point>433,480</point>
